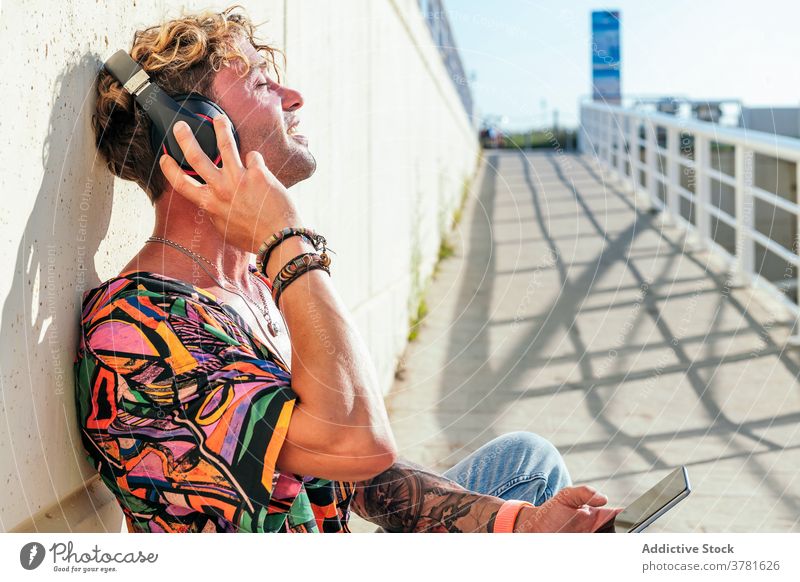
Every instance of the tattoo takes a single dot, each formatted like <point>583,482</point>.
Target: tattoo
<point>409,498</point>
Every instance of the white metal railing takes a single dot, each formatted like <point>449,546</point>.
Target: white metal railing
<point>702,176</point>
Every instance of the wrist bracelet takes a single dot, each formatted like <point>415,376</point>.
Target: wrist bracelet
<point>507,515</point>
<point>262,256</point>
<point>292,271</point>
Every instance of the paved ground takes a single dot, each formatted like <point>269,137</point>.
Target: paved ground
<point>572,312</point>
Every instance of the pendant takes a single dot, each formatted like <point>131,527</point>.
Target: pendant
<point>271,325</point>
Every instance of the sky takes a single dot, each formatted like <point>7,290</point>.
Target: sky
<point>529,57</point>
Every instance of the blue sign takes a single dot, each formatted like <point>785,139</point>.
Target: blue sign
<point>606,56</point>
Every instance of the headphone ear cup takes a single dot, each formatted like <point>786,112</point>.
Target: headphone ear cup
<point>201,111</point>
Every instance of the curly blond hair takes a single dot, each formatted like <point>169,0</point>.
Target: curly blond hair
<point>181,56</point>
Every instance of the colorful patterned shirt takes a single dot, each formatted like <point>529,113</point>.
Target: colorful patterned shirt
<point>183,411</point>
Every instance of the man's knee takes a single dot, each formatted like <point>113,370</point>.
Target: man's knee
<point>531,453</point>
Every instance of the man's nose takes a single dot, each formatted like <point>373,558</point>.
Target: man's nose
<point>291,99</point>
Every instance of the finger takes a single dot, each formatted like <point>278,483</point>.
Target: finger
<point>194,154</point>
<point>597,500</point>
<point>582,495</point>
<point>182,183</point>
<point>226,143</point>
<point>254,158</point>
<point>589,519</point>
<point>575,496</point>
<point>601,517</point>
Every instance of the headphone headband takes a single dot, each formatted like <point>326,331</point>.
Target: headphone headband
<point>137,83</point>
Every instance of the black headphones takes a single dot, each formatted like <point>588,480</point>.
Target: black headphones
<point>165,111</point>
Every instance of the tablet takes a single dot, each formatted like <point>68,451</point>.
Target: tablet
<point>665,495</point>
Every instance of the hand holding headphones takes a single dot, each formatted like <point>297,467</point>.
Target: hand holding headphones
<point>246,201</point>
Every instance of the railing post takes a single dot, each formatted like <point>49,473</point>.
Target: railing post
<point>601,137</point>
<point>673,179</point>
<point>633,152</point>
<point>794,339</point>
<point>651,161</point>
<point>612,142</point>
<point>609,137</point>
<point>621,148</point>
<point>596,136</point>
<point>745,255</point>
<point>701,189</point>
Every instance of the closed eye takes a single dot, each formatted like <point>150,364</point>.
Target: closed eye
<point>268,83</point>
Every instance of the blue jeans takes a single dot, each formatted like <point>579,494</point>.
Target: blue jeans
<point>517,465</point>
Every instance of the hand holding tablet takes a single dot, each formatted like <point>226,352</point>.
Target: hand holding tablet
<point>665,495</point>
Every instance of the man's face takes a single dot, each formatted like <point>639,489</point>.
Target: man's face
<point>265,115</point>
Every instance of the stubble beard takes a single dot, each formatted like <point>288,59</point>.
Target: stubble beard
<point>297,165</point>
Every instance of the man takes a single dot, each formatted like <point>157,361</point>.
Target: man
<point>204,407</point>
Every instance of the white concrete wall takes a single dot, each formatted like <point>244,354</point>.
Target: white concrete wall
<point>393,146</point>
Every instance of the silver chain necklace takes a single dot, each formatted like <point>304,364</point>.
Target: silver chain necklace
<point>271,325</point>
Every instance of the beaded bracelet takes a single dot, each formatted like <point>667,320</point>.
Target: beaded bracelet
<point>262,256</point>
<point>292,271</point>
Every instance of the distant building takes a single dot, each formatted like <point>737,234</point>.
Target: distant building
<point>778,120</point>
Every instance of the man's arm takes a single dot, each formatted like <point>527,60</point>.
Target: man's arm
<point>410,498</point>
<point>339,428</point>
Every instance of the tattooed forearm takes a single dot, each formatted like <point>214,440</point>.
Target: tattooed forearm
<point>407,497</point>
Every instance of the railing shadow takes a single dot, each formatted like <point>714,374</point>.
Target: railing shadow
<point>476,382</point>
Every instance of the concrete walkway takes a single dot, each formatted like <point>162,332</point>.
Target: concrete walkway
<point>571,312</point>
